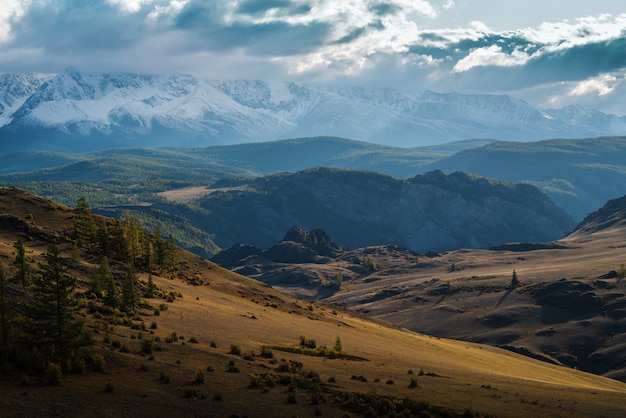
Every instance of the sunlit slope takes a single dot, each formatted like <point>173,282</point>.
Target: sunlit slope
<point>223,310</point>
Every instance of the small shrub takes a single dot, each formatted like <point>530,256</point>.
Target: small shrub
<point>163,307</point>
<point>98,362</point>
<point>266,352</point>
<point>53,374</point>
<point>389,382</point>
<point>248,357</point>
<point>212,344</point>
<point>164,377</point>
<point>153,325</point>
<point>413,383</point>
<point>199,376</point>
<point>255,380</point>
<point>193,340</point>
<point>79,365</point>
<point>307,342</point>
<point>143,368</point>
<point>147,346</point>
<point>232,368</point>
<point>235,349</point>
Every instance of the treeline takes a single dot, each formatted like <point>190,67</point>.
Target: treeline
<point>124,240</point>
<point>40,326</point>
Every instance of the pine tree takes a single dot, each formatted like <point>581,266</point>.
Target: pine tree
<point>130,292</point>
<point>50,317</point>
<point>111,295</point>
<point>101,277</point>
<point>4,314</point>
<point>338,346</point>
<point>514,280</point>
<point>22,273</point>
<point>86,227</point>
<point>150,288</point>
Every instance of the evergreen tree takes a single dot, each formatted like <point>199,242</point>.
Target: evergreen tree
<point>4,314</point>
<point>86,228</point>
<point>338,346</point>
<point>101,277</point>
<point>130,292</point>
<point>50,317</point>
<point>22,273</point>
<point>111,296</point>
<point>150,288</point>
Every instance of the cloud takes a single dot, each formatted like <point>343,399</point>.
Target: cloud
<point>383,42</point>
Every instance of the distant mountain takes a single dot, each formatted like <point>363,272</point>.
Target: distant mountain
<point>611,215</point>
<point>578,175</point>
<point>427,212</point>
<point>73,111</point>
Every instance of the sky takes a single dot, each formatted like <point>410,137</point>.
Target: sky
<point>551,53</point>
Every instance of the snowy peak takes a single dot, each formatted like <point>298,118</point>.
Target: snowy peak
<point>15,89</point>
<point>203,112</point>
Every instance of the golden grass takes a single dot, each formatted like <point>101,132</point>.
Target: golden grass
<point>233,310</point>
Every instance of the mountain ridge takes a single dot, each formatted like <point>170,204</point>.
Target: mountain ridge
<point>157,110</point>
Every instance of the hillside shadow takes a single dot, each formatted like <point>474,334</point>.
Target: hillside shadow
<point>506,295</point>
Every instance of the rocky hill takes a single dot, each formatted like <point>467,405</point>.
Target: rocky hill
<point>73,111</point>
<point>433,211</point>
<point>561,302</point>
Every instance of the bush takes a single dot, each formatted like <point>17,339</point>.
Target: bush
<point>199,376</point>
<point>147,346</point>
<point>98,362</point>
<point>53,374</point>
<point>231,368</point>
<point>193,340</point>
<point>266,352</point>
<point>307,342</point>
<point>235,349</point>
<point>413,383</point>
<point>108,388</point>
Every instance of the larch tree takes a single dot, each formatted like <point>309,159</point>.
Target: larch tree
<point>51,325</point>
<point>22,267</point>
<point>130,291</point>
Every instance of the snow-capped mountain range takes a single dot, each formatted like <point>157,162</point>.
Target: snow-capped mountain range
<point>94,111</point>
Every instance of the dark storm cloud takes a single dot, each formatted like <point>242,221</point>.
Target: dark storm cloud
<point>575,63</point>
<point>384,9</point>
<point>283,7</point>
<point>75,26</point>
<point>439,47</point>
<point>205,22</point>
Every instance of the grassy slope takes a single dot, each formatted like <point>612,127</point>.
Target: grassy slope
<point>230,309</point>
